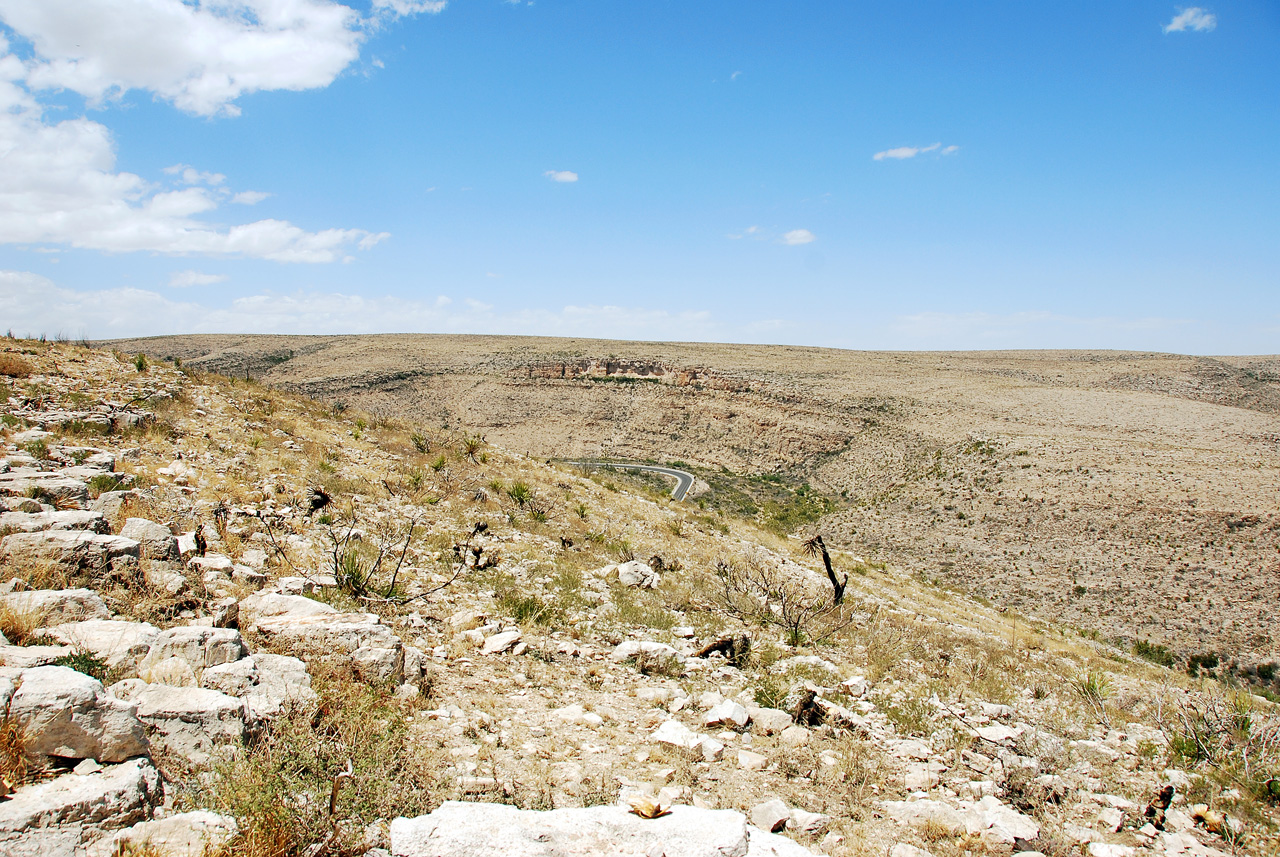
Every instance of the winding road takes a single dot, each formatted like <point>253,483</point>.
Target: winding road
<point>684,479</point>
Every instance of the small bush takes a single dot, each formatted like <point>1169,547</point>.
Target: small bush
<point>140,362</point>
<point>1154,652</point>
<point>87,663</point>
<point>13,366</point>
<point>420,442</point>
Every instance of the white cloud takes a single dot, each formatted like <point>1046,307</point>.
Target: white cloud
<point>561,175</point>
<point>1192,18</point>
<point>59,185</point>
<point>798,236</point>
<point>249,197</point>
<point>201,55</point>
<point>735,75</point>
<point>903,152</point>
<point>404,8</point>
<point>190,175</point>
<point>30,303</point>
<point>187,279</point>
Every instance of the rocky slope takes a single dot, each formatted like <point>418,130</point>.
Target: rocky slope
<point>1070,486</point>
<point>243,621</point>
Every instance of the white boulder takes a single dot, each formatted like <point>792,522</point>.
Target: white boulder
<point>497,830</point>
<point>67,714</point>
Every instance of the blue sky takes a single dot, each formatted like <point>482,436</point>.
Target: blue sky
<point>927,175</point>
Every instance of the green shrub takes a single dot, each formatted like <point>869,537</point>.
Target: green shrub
<point>1154,652</point>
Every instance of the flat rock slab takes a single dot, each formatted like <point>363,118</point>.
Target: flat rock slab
<point>19,481</point>
<point>72,519</point>
<point>459,829</point>
<point>70,549</point>
<point>58,606</point>
<point>192,722</point>
<point>114,797</point>
<point>119,643</point>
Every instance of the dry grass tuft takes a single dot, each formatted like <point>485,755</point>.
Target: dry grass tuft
<point>18,626</point>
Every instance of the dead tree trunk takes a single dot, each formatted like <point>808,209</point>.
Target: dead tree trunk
<point>815,545</point>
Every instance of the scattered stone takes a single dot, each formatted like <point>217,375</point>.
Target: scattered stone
<point>768,721</point>
<point>750,761</point>
<point>115,797</point>
<point>637,574</point>
<point>727,713</point>
<point>926,813</point>
<point>269,683</point>
<point>496,644</point>
<point>809,823</point>
<point>675,733</point>
<point>794,736</point>
<point>72,519</point>
<point>771,815</point>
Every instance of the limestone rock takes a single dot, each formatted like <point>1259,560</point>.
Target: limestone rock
<point>273,605</point>
<point>768,721</point>
<point>70,551</point>
<point>771,815</point>
<point>199,646</point>
<point>750,761</point>
<point>638,574</point>
<point>120,644</point>
<point>727,713</point>
<point>20,481</point>
<point>26,657</point>
<point>809,823</point>
<point>646,648</point>
<point>361,638</point>
<point>68,714</point>
<point>498,830</point>
<point>192,722</point>
<point>268,683</point>
<point>675,733</point>
<point>71,519</point>
<point>57,606</point>
<point>993,819</point>
<point>187,834</point>
<point>154,540</point>
<point>496,644</point>
<point>114,797</point>
<point>926,813</point>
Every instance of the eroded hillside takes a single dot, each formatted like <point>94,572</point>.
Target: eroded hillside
<point>1132,495</point>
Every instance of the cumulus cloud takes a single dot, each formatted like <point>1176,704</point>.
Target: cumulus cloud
<point>797,237</point>
<point>1192,18</point>
<point>904,152</point>
<point>187,279</point>
<point>561,175</point>
<point>59,185</point>
<point>30,303</point>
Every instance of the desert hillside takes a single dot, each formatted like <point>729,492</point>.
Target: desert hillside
<point>1127,494</point>
<point>237,621</point>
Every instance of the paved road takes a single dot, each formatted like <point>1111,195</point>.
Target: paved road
<point>684,479</point>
